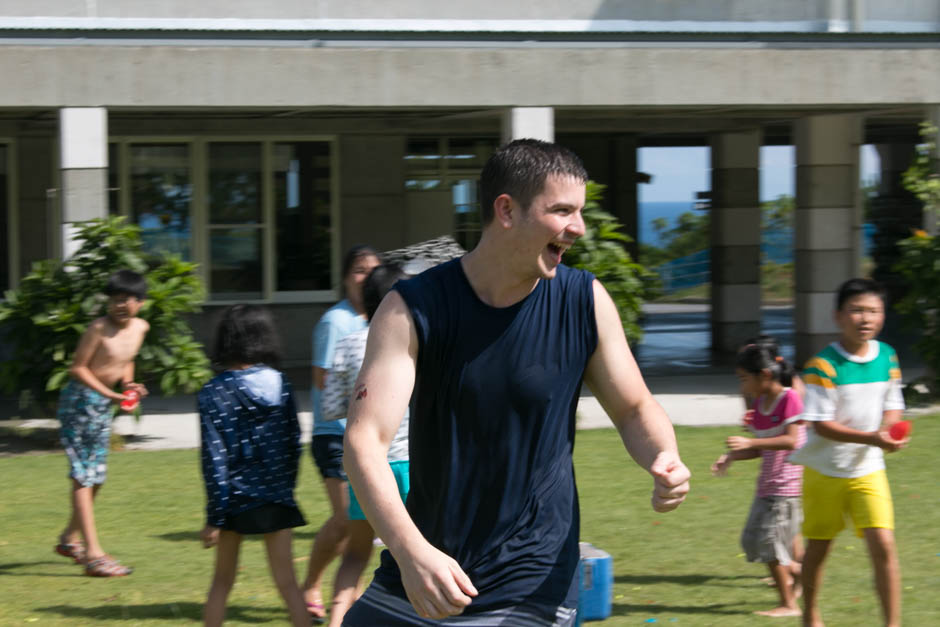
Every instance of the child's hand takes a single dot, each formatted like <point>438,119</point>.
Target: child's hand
<point>738,443</point>
<point>884,440</point>
<point>209,536</point>
<point>140,388</point>
<point>721,465</point>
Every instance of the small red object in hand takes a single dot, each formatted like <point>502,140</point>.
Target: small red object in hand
<point>899,430</point>
<point>132,401</point>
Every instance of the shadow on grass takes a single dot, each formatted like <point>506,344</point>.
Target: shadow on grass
<point>651,609</point>
<point>682,580</point>
<point>175,611</point>
<point>10,569</point>
<point>193,536</point>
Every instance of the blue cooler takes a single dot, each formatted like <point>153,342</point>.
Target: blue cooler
<point>595,584</point>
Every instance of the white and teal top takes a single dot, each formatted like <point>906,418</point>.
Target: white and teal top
<point>855,392</point>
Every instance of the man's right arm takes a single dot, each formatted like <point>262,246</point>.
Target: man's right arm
<point>433,581</point>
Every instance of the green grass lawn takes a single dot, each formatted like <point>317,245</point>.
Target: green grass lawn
<point>685,567</point>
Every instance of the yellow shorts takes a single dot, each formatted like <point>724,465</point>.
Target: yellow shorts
<point>826,500</point>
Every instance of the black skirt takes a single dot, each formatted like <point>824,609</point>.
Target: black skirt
<point>265,518</point>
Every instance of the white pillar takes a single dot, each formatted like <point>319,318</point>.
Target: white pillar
<point>529,122</point>
<point>83,141</point>
<point>735,239</point>
<point>828,222</point>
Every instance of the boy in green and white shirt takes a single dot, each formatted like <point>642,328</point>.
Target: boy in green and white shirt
<point>853,396</point>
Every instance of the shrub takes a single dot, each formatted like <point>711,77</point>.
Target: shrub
<point>919,263</point>
<point>919,267</point>
<point>601,251</point>
<point>43,319</point>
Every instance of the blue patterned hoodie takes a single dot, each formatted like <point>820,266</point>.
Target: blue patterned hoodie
<point>250,441</point>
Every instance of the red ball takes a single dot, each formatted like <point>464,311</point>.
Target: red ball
<point>899,430</point>
<point>133,400</point>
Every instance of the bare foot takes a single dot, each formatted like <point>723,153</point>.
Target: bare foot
<point>809,622</point>
<point>781,612</point>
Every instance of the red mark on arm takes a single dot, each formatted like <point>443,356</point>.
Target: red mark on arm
<point>361,392</point>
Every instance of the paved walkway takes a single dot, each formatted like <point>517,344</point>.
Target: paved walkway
<point>692,400</point>
<point>172,423</point>
<point>694,385</point>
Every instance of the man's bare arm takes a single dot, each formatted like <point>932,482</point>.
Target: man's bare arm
<point>433,581</point>
<point>646,431</point>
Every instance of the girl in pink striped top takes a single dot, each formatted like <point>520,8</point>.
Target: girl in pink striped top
<point>776,513</point>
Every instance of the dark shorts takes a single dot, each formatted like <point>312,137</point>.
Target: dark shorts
<point>266,518</point>
<point>377,607</point>
<point>328,456</point>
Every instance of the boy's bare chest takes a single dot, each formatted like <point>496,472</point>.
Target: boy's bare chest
<point>119,346</point>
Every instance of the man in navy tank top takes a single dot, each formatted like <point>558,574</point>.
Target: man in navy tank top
<point>491,350</point>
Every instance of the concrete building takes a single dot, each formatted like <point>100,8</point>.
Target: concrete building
<point>260,139</point>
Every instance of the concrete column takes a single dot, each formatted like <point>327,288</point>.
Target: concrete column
<point>828,221</point>
<point>735,239</point>
<point>894,160</point>
<point>83,147</point>
<point>621,188</point>
<point>529,122</point>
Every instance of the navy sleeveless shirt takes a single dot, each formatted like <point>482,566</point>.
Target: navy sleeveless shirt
<point>492,432</point>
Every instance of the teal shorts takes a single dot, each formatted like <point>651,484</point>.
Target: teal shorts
<point>400,470</point>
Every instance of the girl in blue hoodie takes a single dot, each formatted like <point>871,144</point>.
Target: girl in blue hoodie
<point>250,450</point>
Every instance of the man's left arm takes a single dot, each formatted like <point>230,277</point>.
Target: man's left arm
<point>644,427</point>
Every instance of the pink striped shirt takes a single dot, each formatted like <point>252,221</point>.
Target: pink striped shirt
<point>777,476</point>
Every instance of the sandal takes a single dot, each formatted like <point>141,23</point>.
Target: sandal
<point>73,550</point>
<point>106,566</point>
<point>317,611</point>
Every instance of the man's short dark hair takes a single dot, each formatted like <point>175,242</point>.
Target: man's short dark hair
<point>520,168</point>
<point>127,282</point>
<point>856,287</point>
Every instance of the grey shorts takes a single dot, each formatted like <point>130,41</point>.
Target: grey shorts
<point>770,529</point>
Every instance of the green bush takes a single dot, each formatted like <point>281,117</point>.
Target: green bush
<point>919,263</point>
<point>43,319</point>
<point>919,267</point>
<point>601,251</point>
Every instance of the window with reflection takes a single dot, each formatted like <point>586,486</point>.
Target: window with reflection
<point>4,220</point>
<point>161,197</point>
<point>235,221</point>
<point>302,214</point>
<point>467,226</point>
<point>114,198</point>
<point>439,164</point>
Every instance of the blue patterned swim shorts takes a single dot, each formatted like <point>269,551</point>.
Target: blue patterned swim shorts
<point>85,417</point>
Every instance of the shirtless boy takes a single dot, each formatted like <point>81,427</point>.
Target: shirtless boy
<point>103,362</point>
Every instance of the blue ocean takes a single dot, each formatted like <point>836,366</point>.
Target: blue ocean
<point>777,246</point>
<point>650,211</point>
